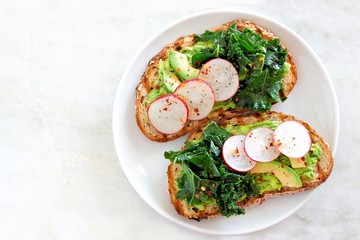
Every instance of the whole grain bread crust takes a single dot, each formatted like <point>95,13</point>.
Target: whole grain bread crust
<point>146,84</point>
<point>322,171</point>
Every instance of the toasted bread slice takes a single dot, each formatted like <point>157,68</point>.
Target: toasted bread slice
<point>146,84</point>
<point>322,170</point>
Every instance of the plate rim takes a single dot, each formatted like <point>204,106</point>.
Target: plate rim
<point>200,14</point>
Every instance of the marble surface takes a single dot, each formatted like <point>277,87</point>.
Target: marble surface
<point>61,62</point>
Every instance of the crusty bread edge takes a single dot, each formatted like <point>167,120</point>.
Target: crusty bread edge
<point>146,84</point>
<point>323,169</point>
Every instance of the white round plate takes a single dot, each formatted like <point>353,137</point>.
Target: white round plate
<point>312,100</point>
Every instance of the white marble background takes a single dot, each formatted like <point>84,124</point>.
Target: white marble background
<point>60,64</point>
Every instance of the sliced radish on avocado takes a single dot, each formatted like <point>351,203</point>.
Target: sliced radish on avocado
<point>234,155</point>
<point>222,77</point>
<point>168,114</point>
<point>199,97</point>
<point>259,145</point>
<point>292,139</point>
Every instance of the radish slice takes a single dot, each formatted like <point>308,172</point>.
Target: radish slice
<point>222,77</point>
<point>234,155</point>
<point>199,97</point>
<point>168,114</point>
<point>292,139</point>
<point>259,145</point>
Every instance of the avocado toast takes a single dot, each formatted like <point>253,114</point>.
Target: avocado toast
<point>258,56</point>
<point>203,185</point>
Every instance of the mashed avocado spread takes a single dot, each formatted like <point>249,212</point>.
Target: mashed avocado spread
<point>206,180</point>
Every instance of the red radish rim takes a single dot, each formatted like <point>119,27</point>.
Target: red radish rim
<point>232,66</point>
<point>169,95</point>
<point>258,160</point>
<point>193,80</point>
<point>196,80</point>
<point>227,164</point>
<point>299,123</point>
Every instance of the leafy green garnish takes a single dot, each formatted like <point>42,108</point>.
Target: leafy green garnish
<point>190,188</point>
<point>205,178</point>
<point>261,92</point>
<point>275,55</point>
<point>261,64</point>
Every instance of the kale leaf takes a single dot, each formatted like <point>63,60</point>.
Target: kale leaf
<point>275,55</point>
<point>261,92</point>
<point>206,178</point>
<point>261,64</point>
<point>217,42</point>
<point>195,190</point>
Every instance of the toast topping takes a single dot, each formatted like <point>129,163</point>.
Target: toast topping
<point>199,97</point>
<point>259,145</point>
<point>215,163</point>
<point>246,65</point>
<point>234,154</point>
<point>292,139</point>
<point>168,114</point>
<point>222,77</point>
